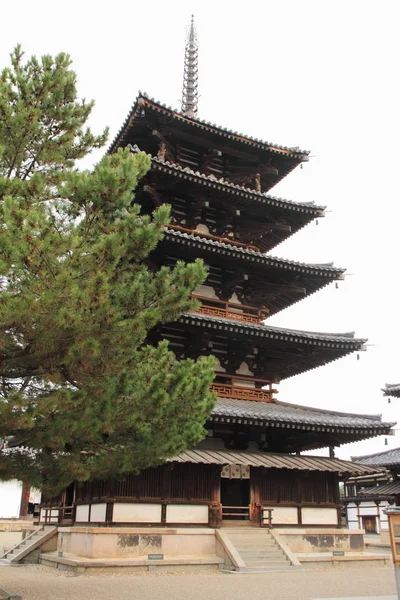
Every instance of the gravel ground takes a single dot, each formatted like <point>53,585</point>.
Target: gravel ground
<point>42,583</point>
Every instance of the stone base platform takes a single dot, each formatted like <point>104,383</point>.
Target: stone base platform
<point>351,560</point>
<point>77,564</point>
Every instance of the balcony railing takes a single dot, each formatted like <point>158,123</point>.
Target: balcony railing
<point>214,237</point>
<point>235,387</point>
<point>231,310</point>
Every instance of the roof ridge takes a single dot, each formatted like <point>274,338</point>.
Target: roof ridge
<point>202,123</point>
<point>377,417</point>
<point>198,237</point>
<point>294,149</point>
<point>349,335</point>
<point>385,452</point>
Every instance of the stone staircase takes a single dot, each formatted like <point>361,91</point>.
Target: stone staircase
<point>29,549</point>
<point>259,550</point>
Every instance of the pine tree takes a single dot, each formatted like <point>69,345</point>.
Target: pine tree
<point>81,394</point>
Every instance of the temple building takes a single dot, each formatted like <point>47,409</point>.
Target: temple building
<point>250,468</point>
<point>367,497</point>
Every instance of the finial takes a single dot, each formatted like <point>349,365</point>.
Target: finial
<point>190,73</point>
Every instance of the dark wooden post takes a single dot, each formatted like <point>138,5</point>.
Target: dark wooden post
<point>214,516</point>
<point>26,490</point>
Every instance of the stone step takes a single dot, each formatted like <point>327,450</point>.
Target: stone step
<point>267,563</point>
<point>265,555</point>
<point>267,569</point>
<point>252,539</point>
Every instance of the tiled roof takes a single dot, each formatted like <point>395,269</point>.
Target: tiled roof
<point>327,270</point>
<point>268,413</point>
<point>389,489</point>
<point>380,459</point>
<point>328,340</point>
<point>392,389</point>
<point>270,461</point>
<point>294,152</point>
<point>234,189</point>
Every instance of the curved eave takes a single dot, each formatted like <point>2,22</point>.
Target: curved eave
<point>314,277</point>
<point>143,100</point>
<point>272,414</point>
<point>307,208</point>
<point>236,252</point>
<point>342,341</point>
<point>315,350</point>
<point>355,433</point>
<point>392,389</point>
<point>270,461</point>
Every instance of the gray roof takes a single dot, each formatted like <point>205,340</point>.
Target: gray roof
<point>326,270</point>
<point>200,124</point>
<point>389,489</point>
<point>317,419</point>
<point>392,389</point>
<point>270,461</point>
<point>380,459</point>
<point>328,340</point>
<point>232,188</point>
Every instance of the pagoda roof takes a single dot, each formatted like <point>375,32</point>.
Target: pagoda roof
<point>302,279</point>
<point>132,128</point>
<point>270,460</point>
<point>392,389</point>
<point>318,269</point>
<point>221,184</point>
<point>293,351</point>
<point>388,458</point>
<point>288,414</point>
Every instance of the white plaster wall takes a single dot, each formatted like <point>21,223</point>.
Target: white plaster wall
<point>244,384</point>
<point>352,514</point>
<point>353,525</point>
<point>10,498</point>
<point>235,300</point>
<point>207,291</point>
<point>98,513</point>
<point>136,513</point>
<point>368,509</point>
<point>283,515</point>
<point>187,513</point>
<point>244,369</point>
<point>201,228</point>
<point>82,513</point>
<point>319,516</point>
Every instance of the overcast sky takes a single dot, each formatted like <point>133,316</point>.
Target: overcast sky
<point>317,74</point>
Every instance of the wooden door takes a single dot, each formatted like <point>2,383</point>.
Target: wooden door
<point>369,524</point>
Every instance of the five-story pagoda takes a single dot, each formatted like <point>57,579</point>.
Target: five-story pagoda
<point>218,182</point>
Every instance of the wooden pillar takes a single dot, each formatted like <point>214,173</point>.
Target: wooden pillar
<point>256,475</point>
<point>215,497</point>
<point>24,507</point>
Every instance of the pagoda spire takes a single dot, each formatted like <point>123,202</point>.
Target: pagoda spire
<point>190,74</point>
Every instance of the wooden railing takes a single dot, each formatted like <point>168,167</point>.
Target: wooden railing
<point>214,237</point>
<point>241,513</point>
<point>231,310</point>
<point>232,390</point>
<point>48,516</point>
<point>266,516</point>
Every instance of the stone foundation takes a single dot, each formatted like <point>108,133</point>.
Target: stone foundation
<point>134,542</point>
<point>302,540</point>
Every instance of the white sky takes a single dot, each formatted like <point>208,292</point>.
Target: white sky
<point>317,74</point>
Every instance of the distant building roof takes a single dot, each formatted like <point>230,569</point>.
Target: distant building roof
<point>389,489</point>
<point>392,389</point>
<point>389,458</point>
